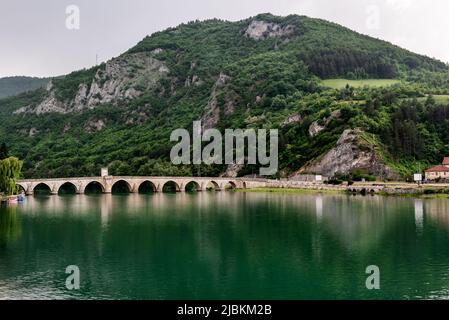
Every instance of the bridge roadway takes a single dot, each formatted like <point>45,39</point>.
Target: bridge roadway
<point>133,184</point>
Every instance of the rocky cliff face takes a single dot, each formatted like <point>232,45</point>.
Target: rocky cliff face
<point>315,128</point>
<point>351,152</point>
<point>125,77</point>
<point>260,30</point>
<point>212,112</point>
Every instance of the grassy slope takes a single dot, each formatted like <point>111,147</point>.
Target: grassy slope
<point>341,83</point>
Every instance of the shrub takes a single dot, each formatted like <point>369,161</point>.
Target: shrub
<point>430,191</point>
<point>335,181</point>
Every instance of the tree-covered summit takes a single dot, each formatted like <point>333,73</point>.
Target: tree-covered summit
<point>261,72</point>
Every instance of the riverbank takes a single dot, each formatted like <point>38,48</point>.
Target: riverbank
<point>292,190</point>
<point>403,190</point>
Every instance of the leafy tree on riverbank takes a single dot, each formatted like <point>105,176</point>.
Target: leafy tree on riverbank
<point>10,169</point>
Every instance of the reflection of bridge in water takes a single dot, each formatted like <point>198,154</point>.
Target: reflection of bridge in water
<point>135,184</point>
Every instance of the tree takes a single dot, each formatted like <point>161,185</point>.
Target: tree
<point>430,101</point>
<point>119,168</point>
<point>9,173</point>
<point>4,152</point>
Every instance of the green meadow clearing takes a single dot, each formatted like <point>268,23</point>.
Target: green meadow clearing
<point>442,98</point>
<point>341,83</point>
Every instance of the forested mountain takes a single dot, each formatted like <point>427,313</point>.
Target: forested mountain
<point>11,86</point>
<point>262,72</point>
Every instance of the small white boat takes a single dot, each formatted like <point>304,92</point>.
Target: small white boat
<point>12,200</point>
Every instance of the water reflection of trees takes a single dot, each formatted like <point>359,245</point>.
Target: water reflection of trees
<point>239,245</point>
<point>9,225</point>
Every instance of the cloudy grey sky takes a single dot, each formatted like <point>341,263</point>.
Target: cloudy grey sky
<point>35,41</point>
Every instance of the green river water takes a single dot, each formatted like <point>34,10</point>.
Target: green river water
<point>225,245</point>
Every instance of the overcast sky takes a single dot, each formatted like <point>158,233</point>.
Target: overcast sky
<point>38,38</point>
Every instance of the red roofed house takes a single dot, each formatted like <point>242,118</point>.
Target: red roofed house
<point>446,161</point>
<point>439,172</point>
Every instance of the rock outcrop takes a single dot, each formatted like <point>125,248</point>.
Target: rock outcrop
<point>232,170</point>
<point>260,30</point>
<point>294,118</point>
<point>94,126</point>
<point>351,152</point>
<point>212,113</point>
<point>123,78</point>
<point>315,128</point>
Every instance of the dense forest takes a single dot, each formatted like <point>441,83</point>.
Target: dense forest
<point>230,76</point>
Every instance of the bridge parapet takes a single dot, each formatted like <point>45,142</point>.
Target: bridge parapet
<point>133,183</point>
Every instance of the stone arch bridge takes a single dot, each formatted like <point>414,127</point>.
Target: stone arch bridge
<point>133,184</point>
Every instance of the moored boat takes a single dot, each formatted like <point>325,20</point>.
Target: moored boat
<point>12,200</point>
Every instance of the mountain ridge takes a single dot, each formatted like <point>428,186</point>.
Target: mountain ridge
<point>14,85</point>
<point>258,72</point>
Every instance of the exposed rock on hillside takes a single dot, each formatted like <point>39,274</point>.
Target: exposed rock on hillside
<point>31,132</point>
<point>212,113</point>
<point>136,117</point>
<point>232,170</point>
<point>315,128</point>
<point>173,77</point>
<point>126,77</point>
<point>295,118</point>
<point>260,30</point>
<point>351,152</point>
<point>50,104</point>
<point>94,126</point>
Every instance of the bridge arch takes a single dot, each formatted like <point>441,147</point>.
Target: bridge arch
<point>211,185</point>
<point>94,187</point>
<point>22,187</point>
<point>42,187</point>
<point>67,188</point>
<point>229,185</point>
<point>192,186</point>
<point>146,187</point>
<point>170,186</point>
<point>121,186</point>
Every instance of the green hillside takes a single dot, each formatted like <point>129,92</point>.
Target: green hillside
<point>11,86</point>
<point>262,72</point>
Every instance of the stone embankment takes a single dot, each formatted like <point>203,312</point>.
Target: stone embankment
<point>389,188</point>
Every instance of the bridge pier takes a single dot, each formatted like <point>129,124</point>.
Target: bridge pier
<point>134,188</point>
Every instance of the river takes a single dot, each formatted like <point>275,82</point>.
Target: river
<point>225,245</point>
